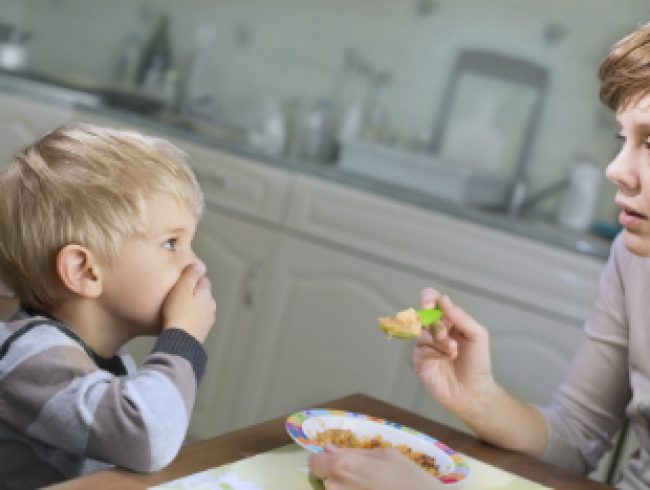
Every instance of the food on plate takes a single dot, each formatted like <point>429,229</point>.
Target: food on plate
<point>347,438</point>
<point>405,325</point>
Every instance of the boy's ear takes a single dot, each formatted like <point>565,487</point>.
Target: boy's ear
<point>78,271</point>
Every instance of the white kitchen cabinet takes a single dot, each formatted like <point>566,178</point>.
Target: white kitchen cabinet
<point>23,120</point>
<point>239,184</point>
<point>319,337</point>
<point>229,182</point>
<point>238,256</point>
<point>531,351</point>
<point>237,238</point>
<point>496,264</point>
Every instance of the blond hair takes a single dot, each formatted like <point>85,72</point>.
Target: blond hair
<point>625,72</point>
<point>86,185</point>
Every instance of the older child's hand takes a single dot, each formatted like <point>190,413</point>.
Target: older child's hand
<point>190,305</point>
<point>369,469</point>
<point>453,360</point>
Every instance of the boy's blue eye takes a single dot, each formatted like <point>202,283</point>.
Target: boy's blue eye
<point>171,244</point>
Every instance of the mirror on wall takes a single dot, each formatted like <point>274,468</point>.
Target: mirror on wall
<point>492,102</point>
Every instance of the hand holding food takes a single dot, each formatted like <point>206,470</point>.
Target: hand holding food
<point>454,364</point>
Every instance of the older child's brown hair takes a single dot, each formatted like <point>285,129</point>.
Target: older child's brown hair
<point>625,72</point>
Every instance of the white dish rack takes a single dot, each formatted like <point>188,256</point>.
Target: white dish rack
<point>426,173</point>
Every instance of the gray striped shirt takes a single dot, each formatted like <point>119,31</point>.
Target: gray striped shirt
<point>65,412</point>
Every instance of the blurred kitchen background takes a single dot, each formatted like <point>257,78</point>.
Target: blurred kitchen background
<point>351,153</point>
<point>506,90</point>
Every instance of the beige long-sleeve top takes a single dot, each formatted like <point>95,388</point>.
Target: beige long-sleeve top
<point>610,375</point>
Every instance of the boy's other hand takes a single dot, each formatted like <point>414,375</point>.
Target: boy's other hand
<point>190,305</point>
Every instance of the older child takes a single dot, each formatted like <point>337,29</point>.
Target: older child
<point>610,376</point>
<point>96,226</point>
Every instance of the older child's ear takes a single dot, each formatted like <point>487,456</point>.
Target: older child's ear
<point>78,271</point>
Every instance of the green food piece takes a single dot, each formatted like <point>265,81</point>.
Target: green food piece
<point>429,317</point>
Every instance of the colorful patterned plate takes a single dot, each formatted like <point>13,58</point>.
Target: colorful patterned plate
<point>304,425</point>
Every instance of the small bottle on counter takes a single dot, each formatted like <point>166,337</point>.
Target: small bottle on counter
<point>579,201</point>
<point>156,59</point>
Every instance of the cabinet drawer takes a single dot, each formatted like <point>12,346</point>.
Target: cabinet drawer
<point>468,255</point>
<point>238,183</point>
<point>22,121</point>
<point>228,181</point>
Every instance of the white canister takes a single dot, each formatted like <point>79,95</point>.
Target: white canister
<point>579,201</point>
<point>13,55</point>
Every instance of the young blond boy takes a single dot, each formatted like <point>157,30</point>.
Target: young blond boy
<point>96,226</point>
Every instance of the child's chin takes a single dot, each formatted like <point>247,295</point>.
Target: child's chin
<point>637,243</point>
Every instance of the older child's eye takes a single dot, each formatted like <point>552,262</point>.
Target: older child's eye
<point>171,244</point>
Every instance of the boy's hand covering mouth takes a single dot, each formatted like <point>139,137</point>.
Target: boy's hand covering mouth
<point>190,305</point>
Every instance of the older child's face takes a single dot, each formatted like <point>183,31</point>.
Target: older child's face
<point>630,172</point>
<point>147,267</point>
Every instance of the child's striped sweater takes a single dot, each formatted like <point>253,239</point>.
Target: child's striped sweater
<point>65,412</point>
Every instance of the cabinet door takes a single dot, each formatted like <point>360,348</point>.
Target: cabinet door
<point>237,257</point>
<point>238,183</point>
<point>22,121</point>
<point>319,338</point>
<point>517,269</point>
<point>531,351</point>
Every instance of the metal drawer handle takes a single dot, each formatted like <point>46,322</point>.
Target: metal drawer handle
<point>250,279</point>
<point>215,179</point>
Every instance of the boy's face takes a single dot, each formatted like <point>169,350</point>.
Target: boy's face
<point>630,172</point>
<point>147,267</point>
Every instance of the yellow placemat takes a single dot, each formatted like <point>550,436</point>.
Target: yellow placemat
<point>285,468</point>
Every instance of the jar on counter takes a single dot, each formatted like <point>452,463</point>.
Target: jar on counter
<point>316,132</point>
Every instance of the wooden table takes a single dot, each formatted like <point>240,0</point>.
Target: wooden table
<point>262,437</point>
